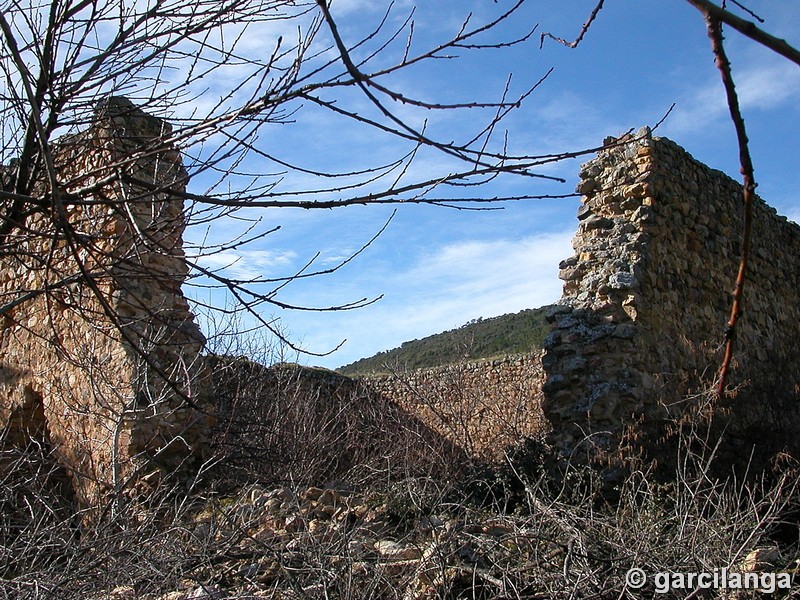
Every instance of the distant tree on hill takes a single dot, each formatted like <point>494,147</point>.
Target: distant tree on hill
<point>518,333</point>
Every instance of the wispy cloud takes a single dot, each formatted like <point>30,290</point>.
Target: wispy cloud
<point>444,288</point>
<point>249,264</point>
<point>761,87</point>
<point>768,87</point>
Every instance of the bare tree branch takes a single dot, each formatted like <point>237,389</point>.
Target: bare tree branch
<point>748,28</point>
<point>62,61</point>
<point>584,30</point>
<point>748,191</point>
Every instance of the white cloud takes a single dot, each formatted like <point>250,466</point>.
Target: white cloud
<point>485,278</point>
<point>761,87</point>
<point>250,264</point>
<point>444,289</point>
<point>768,87</point>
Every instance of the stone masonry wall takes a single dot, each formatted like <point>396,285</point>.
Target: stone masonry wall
<point>482,407</point>
<point>102,365</point>
<point>647,297</point>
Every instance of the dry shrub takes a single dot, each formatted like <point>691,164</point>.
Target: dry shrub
<point>741,433</point>
<point>38,518</point>
<point>526,533</point>
<point>288,423</point>
<point>50,548</point>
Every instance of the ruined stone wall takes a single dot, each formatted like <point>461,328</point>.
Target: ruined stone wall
<point>647,297</point>
<point>483,407</point>
<point>99,353</point>
<point>98,348</point>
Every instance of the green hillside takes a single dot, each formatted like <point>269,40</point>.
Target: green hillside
<point>481,338</point>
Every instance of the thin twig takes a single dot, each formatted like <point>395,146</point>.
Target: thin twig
<point>747,10</point>
<point>574,43</point>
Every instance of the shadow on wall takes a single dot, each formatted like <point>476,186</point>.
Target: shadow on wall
<point>486,407</point>
<point>289,423</point>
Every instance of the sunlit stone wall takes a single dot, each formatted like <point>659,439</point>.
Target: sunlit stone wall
<point>647,297</point>
<point>484,407</point>
<point>103,365</point>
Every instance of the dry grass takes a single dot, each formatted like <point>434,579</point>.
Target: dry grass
<point>339,498</point>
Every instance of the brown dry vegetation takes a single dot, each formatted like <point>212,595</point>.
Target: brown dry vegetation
<point>319,491</point>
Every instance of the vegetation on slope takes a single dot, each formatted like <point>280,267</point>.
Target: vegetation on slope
<point>481,338</point>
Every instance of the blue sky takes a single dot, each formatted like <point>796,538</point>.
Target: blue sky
<point>437,268</point>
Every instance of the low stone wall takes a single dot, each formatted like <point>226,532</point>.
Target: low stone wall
<point>647,297</point>
<point>98,348</point>
<point>483,407</point>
